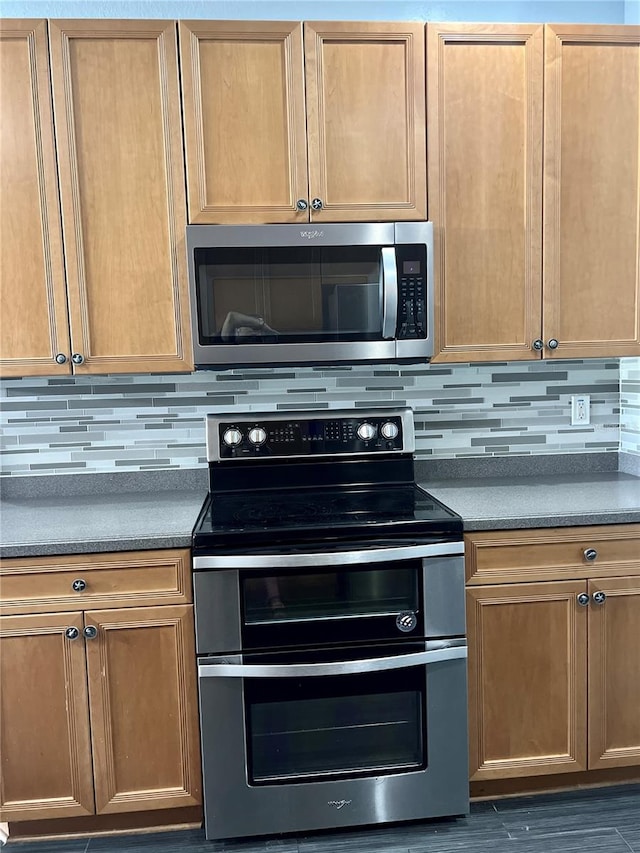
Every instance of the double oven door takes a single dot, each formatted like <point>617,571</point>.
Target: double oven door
<point>332,687</point>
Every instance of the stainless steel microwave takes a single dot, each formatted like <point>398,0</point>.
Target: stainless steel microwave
<point>305,294</point>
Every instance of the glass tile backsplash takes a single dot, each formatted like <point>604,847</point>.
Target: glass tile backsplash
<point>129,423</point>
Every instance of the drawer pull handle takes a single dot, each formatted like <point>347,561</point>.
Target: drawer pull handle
<point>90,632</point>
<point>583,599</point>
<point>590,554</point>
<point>79,585</point>
<point>72,633</point>
<point>599,597</point>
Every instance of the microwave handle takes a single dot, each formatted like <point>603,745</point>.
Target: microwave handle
<point>389,280</point>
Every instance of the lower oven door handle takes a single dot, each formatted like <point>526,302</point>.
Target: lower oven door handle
<point>328,558</point>
<point>347,667</point>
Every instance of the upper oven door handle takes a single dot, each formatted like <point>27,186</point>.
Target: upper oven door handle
<point>348,667</point>
<point>328,558</point>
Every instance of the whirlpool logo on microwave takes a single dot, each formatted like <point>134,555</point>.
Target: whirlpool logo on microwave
<point>312,235</point>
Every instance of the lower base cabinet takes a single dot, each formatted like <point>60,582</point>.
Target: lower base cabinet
<point>98,706</point>
<point>554,665</point>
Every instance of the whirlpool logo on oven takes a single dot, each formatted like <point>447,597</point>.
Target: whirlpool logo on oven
<point>339,804</point>
<point>311,235</point>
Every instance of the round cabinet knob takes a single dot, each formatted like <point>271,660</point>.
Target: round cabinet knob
<point>77,358</point>
<point>61,358</point>
<point>316,204</point>
<point>389,430</point>
<point>553,344</point>
<point>590,554</point>
<point>537,344</point>
<point>232,437</point>
<point>583,599</point>
<point>599,597</point>
<point>90,632</point>
<point>257,435</point>
<point>72,633</point>
<point>366,431</point>
<point>79,585</point>
<point>302,204</point>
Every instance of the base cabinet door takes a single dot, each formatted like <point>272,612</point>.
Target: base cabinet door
<point>143,701</point>
<point>45,746</point>
<point>527,679</point>
<point>614,672</point>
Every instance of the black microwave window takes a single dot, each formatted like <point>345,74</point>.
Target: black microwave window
<point>288,295</point>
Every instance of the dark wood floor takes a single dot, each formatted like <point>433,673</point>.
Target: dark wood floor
<point>604,820</point>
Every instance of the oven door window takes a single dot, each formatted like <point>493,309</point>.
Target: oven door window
<point>308,607</point>
<point>289,295</point>
<point>335,726</point>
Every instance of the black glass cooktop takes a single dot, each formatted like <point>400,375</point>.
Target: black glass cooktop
<point>265,518</point>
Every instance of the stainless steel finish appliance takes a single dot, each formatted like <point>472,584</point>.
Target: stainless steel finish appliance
<point>330,627</point>
<point>269,294</point>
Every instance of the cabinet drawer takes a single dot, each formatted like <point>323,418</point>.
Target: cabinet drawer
<point>552,553</point>
<point>126,579</point>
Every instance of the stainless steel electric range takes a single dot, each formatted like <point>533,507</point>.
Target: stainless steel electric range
<point>330,630</point>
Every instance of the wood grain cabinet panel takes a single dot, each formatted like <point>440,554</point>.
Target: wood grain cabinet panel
<point>592,190</point>
<point>45,749</point>
<point>144,716</point>
<point>614,672</point>
<point>527,679</point>
<point>245,134</point>
<point>484,125</point>
<point>34,325</point>
<point>105,721</point>
<point>366,120</point>
<point>119,137</point>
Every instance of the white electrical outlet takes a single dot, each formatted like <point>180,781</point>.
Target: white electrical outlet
<point>580,409</point>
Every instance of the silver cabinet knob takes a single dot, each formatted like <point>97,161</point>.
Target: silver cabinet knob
<point>302,204</point>
<point>72,633</point>
<point>79,585</point>
<point>60,358</point>
<point>316,204</point>
<point>552,344</point>
<point>538,344</point>
<point>90,632</point>
<point>583,599</point>
<point>389,430</point>
<point>232,437</point>
<point>257,435</point>
<point>77,358</point>
<point>366,431</point>
<point>599,597</point>
<point>590,554</point>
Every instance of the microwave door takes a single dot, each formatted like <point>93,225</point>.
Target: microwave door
<point>389,279</point>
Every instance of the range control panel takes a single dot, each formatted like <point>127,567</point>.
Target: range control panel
<point>309,434</point>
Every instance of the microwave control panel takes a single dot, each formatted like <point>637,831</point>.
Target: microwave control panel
<point>318,436</point>
<point>412,292</point>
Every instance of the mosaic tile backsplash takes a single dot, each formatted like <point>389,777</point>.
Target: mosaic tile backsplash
<point>630,405</point>
<point>132,423</point>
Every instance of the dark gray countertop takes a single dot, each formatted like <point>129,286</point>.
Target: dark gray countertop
<point>122,512</point>
<point>502,503</point>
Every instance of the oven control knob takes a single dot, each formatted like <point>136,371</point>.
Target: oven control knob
<point>366,431</point>
<point>389,430</point>
<point>232,437</point>
<point>257,435</point>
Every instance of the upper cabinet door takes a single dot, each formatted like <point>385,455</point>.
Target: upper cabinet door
<point>592,190</point>
<point>365,121</point>
<point>33,302</point>
<point>484,98</point>
<point>117,114</point>
<point>243,92</point>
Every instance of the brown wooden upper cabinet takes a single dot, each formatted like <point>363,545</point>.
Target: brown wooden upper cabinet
<point>291,122</point>
<point>503,184</point>
<point>123,304</point>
